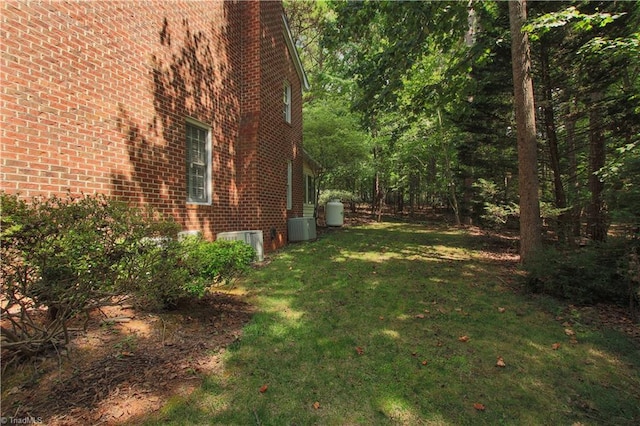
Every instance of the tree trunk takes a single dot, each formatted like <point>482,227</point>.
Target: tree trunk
<point>413,189</point>
<point>378,191</point>
<point>596,218</point>
<point>453,199</point>
<point>552,140</point>
<point>530,238</point>
<point>573,181</point>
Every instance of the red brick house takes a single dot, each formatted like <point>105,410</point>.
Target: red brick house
<point>192,107</point>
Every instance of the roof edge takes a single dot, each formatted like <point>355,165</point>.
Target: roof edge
<point>312,161</point>
<point>294,54</point>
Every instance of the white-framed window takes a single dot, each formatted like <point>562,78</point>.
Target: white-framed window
<point>287,102</point>
<point>289,185</point>
<point>198,171</point>
<point>309,189</point>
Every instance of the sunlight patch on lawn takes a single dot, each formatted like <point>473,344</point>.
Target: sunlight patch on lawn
<point>400,412</point>
<point>282,308</point>
<point>451,253</point>
<point>390,333</point>
<point>212,403</point>
<point>605,357</point>
<point>366,256</point>
<point>538,346</point>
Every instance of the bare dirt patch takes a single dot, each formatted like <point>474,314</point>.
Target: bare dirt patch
<point>127,363</point>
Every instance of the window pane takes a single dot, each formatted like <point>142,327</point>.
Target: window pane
<point>311,191</point>
<point>198,164</point>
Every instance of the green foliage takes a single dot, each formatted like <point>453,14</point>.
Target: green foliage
<point>156,274</point>
<point>344,196</point>
<point>56,246</point>
<point>72,254</point>
<point>596,273</point>
<point>623,172</point>
<point>216,262</point>
<point>493,205</point>
<point>334,139</point>
<point>580,21</point>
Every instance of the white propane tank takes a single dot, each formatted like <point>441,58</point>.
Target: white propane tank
<point>335,213</point>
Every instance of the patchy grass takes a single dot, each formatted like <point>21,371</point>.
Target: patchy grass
<point>403,324</point>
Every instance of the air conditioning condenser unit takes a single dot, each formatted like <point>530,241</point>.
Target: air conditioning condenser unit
<point>301,229</point>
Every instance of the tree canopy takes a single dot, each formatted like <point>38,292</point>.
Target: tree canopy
<point>416,100</point>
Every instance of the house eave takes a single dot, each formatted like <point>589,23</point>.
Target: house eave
<point>294,54</point>
<point>311,161</point>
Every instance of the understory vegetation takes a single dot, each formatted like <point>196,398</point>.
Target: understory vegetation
<point>62,257</point>
<point>607,272</point>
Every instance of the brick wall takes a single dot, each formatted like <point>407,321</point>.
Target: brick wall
<point>280,142</point>
<point>95,96</point>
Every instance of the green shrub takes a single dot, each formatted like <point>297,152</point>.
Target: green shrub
<point>491,207</point>
<point>71,254</point>
<point>342,195</point>
<point>217,262</point>
<point>596,273</point>
<point>158,277</point>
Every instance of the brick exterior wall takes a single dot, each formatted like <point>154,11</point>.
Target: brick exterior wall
<point>95,97</point>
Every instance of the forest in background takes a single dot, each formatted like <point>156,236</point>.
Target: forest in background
<point>412,106</point>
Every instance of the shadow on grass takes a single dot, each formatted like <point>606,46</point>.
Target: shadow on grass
<point>400,324</point>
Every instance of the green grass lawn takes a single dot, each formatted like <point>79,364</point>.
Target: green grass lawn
<point>363,326</point>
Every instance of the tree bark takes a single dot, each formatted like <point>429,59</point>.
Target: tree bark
<point>453,199</point>
<point>552,140</point>
<point>530,238</point>
<point>573,182</point>
<point>596,218</point>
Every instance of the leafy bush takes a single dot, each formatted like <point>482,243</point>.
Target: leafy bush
<point>69,255</point>
<point>344,196</point>
<point>216,262</point>
<point>491,207</point>
<point>498,213</point>
<point>156,275</point>
<point>596,273</point>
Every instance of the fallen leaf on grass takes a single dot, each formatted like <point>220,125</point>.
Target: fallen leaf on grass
<point>359,350</point>
<point>316,405</point>
<point>569,332</point>
<point>555,346</point>
<point>424,362</point>
<point>463,339</point>
<point>420,316</point>
<point>478,406</point>
<point>500,362</point>
<point>502,310</point>
<point>264,388</point>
